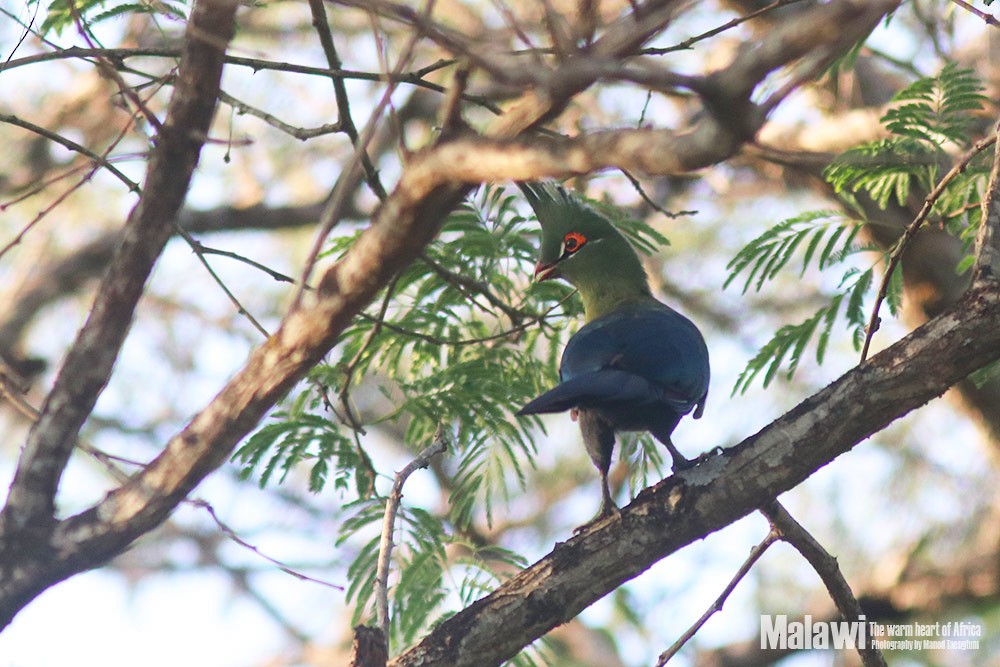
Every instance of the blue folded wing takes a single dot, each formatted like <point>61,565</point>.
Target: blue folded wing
<point>595,388</point>
<point>658,355</point>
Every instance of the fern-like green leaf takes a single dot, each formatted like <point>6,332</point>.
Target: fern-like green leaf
<point>936,109</point>
<point>787,347</point>
<point>765,256</point>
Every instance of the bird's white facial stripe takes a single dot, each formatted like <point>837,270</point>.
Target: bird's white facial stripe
<point>572,242</point>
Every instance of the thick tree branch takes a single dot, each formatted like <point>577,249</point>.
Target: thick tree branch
<point>88,365</point>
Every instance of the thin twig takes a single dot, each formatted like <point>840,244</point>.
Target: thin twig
<point>348,175</point>
<point>20,40</point>
<point>988,18</point>
<point>61,198</point>
<point>42,214</point>
<point>73,146</point>
<point>752,559</point>
<point>413,78</point>
<point>911,231</point>
<point>39,187</point>
<point>199,252</point>
<point>352,366</point>
<point>345,122</point>
<point>988,239</point>
<point>466,284</point>
<point>479,340</point>
<point>12,389</point>
<point>826,567</point>
<point>231,534</point>
<point>300,133</point>
<point>691,41</point>
<point>277,275</point>
<point>109,71</point>
<point>649,200</point>
<point>439,445</point>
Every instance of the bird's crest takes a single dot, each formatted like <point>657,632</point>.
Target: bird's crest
<point>554,206</point>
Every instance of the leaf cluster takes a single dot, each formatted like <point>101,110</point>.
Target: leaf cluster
<point>929,118</point>
<point>63,14</point>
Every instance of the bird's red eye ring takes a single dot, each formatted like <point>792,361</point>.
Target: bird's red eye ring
<point>573,242</point>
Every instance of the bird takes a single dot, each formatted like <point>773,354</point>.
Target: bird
<point>636,364</point>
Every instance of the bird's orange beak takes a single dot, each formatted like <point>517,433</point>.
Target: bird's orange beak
<point>544,271</point>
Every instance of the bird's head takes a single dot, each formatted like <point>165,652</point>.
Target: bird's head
<point>580,245</point>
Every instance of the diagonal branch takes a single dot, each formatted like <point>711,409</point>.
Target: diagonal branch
<point>716,606</point>
<point>911,230</point>
<point>828,570</point>
<point>88,365</point>
<point>987,265</point>
<point>345,122</point>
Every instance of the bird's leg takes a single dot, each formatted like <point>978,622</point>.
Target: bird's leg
<point>609,510</point>
<point>599,439</point>
<point>608,505</point>
<point>681,462</point>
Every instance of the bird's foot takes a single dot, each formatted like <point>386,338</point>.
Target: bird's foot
<point>712,453</point>
<point>608,511</point>
<point>682,463</point>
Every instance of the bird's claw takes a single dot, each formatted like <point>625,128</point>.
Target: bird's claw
<point>681,463</point>
<point>607,512</point>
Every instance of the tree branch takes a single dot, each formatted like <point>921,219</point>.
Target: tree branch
<point>913,227</point>
<point>987,265</point>
<point>423,460</point>
<point>88,365</point>
<point>751,560</point>
<point>826,567</point>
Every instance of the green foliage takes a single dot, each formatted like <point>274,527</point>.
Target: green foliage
<point>64,14</point>
<point>770,252</point>
<point>294,439</point>
<point>645,239</point>
<point>645,459</point>
<point>930,116</point>
<point>936,109</point>
<point>459,339</point>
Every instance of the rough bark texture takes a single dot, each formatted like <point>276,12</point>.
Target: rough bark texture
<point>31,557</point>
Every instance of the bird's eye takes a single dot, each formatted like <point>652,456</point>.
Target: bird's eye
<point>572,242</point>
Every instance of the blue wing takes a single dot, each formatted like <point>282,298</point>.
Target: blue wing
<point>640,354</point>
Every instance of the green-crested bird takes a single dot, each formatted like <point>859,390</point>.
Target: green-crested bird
<point>637,364</point>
